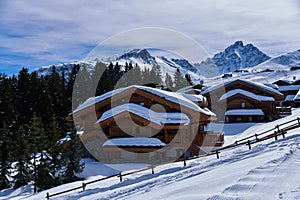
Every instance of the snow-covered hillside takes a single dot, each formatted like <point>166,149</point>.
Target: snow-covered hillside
<point>270,170</point>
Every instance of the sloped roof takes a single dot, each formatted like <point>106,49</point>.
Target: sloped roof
<point>245,112</point>
<point>245,82</point>
<point>247,94</point>
<point>148,114</point>
<point>284,88</point>
<point>134,142</point>
<point>170,96</point>
<point>290,97</point>
<point>297,96</point>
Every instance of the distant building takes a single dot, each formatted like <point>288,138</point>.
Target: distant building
<point>142,119</point>
<point>289,89</point>
<point>243,101</point>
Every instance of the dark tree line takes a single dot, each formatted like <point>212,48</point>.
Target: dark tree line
<point>33,108</point>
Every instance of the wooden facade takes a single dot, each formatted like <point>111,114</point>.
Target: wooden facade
<point>243,98</point>
<point>176,135</point>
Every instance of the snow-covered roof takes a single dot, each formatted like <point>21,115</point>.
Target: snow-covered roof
<point>148,114</point>
<point>93,100</point>
<point>134,142</point>
<point>194,97</point>
<point>284,88</point>
<point>245,112</point>
<point>290,97</point>
<point>245,93</point>
<point>271,85</point>
<point>170,96</point>
<point>187,88</point>
<point>255,84</point>
<point>297,96</point>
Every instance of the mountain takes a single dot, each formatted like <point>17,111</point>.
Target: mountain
<point>168,62</point>
<point>290,59</point>
<point>238,56</point>
<point>138,54</point>
<point>241,61</point>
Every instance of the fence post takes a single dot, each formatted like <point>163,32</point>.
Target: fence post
<point>275,135</point>
<point>256,136</point>
<point>278,128</point>
<point>184,162</point>
<point>283,134</point>
<point>152,169</point>
<point>249,144</point>
<point>217,152</point>
<point>120,175</point>
<point>47,196</point>
<point>298,120</point>
<point>83,185</point>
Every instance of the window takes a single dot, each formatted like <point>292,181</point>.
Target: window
<point>238,119</point>
<point>243,104</point>
<point>137,130</point>
<point>250,119</point>
<point>142,103</point>
<point>227,119</point>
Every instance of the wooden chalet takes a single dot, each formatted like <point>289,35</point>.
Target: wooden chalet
<point>289,89</point>
<point>155,123</point>
<point>243,101</point>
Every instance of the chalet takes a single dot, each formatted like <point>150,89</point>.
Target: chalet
<point>243,101</point>
<point>289,89</point>
<point>156,124</point>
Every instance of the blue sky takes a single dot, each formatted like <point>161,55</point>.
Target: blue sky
<point>35,33</point>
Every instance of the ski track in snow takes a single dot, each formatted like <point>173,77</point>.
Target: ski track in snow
<point>265,176</point>
<point>245,186</point>
<point>270,170</point>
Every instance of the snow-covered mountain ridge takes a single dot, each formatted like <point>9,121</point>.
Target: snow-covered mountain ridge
<point>234,59</point>
<point>239,56</point>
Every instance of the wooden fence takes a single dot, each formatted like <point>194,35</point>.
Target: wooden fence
<point>278,130</point>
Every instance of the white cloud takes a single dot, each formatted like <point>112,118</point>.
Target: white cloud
<point>64,27</point>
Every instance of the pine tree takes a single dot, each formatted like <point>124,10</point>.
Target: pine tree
<point>70,87</point>
<point>102,78</point>
<point>72,155</point>
<point>169,82</point>
<point>83,86</point>
<point>22,166</point>
<point>55,152</point>
<point>179,80</point>
<point>4,158</point>
<point>40,144</point>
<point>23,98</point>
<point>155,74</point>
<point>188,79</point>
<point>146,76</point>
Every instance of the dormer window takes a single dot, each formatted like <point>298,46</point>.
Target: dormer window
<point>243,104</point>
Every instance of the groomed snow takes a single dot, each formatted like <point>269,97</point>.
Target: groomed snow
<point>247,94</point>
<point>148,114</point>
<point>134,141</point>
<point>245,112</point>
